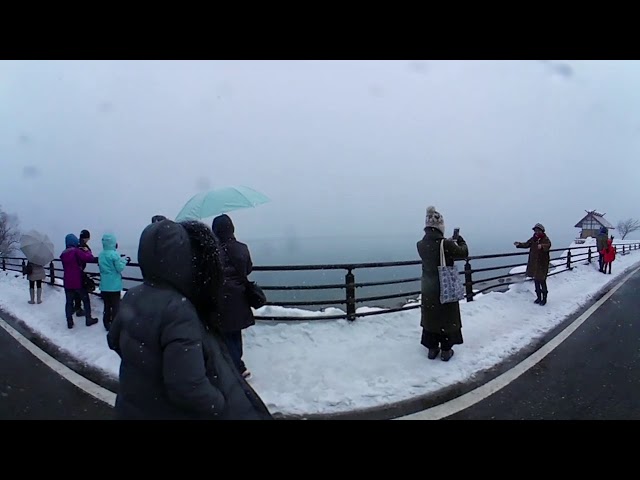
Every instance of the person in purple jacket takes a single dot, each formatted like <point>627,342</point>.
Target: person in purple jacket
<point>73,260</point>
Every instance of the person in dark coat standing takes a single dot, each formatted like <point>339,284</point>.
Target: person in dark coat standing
<point>85,236</point>
<point>601,245</point>
<point>174,361</point>
<point>235,314</point>
<point>441,323</point>
<point>538,264</point>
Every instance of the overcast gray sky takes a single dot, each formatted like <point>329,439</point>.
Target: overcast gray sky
<point>341,147</point>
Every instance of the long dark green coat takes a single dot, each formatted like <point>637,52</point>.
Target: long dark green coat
<point>538,264</point>
<point>437,317</point>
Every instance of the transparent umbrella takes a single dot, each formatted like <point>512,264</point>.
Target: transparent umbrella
<point>37,247</point>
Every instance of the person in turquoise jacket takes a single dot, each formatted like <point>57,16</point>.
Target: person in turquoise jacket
<point>111,266</point>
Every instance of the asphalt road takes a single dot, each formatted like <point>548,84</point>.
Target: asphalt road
<point>593,375</point>
<point>30,390</point>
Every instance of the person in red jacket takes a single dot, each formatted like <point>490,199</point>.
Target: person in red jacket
<point>608,255</point>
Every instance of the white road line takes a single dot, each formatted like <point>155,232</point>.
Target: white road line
<point>79,381</point>
<point>477,395</point>
<point>434,413</point>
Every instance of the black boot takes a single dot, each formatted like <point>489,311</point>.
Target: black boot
<point>539,298</point>
<point>446,355</point>
<point>544,299</point>
<point>69,323</point>
<point>91,321</point>
<point>433,353</point>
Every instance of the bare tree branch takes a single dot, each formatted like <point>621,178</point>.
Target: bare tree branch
<point>9,233</point>
<point>625,227</point>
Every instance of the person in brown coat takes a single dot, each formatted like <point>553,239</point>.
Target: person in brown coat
<point>538,264</point>
<point>441,323</point>
<point>35,275</point>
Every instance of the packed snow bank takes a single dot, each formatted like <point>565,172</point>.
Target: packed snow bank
<point>335,366</point>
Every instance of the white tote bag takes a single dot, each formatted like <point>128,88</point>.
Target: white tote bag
<point>451,286</point>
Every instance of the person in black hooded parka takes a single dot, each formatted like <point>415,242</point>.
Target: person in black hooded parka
<point>235,313</point>
<point>174,362</point>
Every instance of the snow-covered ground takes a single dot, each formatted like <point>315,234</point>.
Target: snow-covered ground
<point>333,366</point>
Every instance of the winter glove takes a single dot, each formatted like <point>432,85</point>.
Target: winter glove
<point>128,260</point>
<point>460,240</point>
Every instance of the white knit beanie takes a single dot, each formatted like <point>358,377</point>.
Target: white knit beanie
<point>434,219</point>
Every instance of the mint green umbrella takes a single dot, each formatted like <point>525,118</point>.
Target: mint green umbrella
<point>219,201</point>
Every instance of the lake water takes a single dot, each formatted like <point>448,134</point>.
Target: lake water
<point>340,250</point>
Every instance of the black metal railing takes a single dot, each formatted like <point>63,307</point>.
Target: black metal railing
<point>350,287</point>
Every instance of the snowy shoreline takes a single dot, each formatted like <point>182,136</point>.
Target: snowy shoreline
<point>313,367</point>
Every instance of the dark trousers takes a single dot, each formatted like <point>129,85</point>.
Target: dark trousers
<point>77,302</point>
<point>69,307</point>
<point>233,340</point>
<point>33,283</point>
<point>604,267</point>
<point>439,340</point>
<point>111,307</point>
<point>541,286</point>
<point>601,261</point>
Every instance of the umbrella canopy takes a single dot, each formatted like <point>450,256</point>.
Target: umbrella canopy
<point>37,247</point>
<point>219,201</point>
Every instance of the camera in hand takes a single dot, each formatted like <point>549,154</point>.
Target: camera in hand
<point>456,234</point>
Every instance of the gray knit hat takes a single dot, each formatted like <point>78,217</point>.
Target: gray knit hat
<point>434,219</point>
<point>538,225</point>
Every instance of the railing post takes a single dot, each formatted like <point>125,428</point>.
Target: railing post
<point>4,264</point>
<point>589,259</point>
<point>569,260</point>
<point>350,280</point>
<point>468,280</point>
<point>22,267</point>
<point>623,250</point>
<point>52,274</point>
